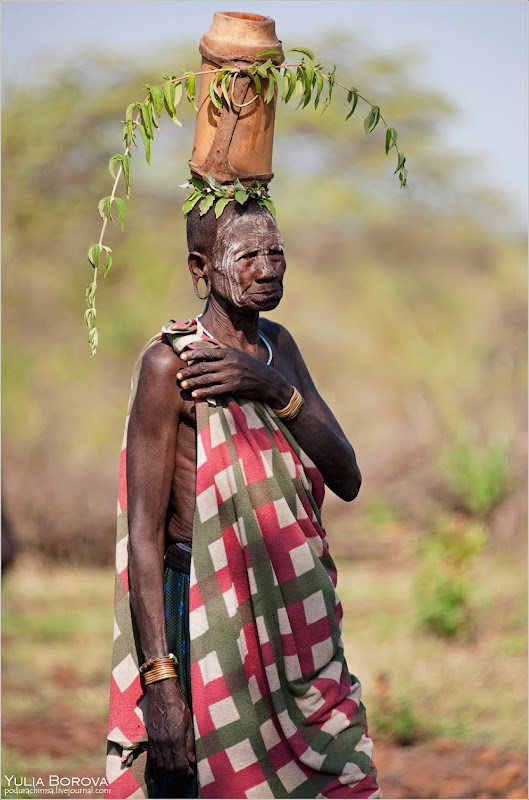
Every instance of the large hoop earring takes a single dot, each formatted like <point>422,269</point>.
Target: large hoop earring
<point>208,288</point>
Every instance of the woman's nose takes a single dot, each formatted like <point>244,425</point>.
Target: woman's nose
<point>264,268</point>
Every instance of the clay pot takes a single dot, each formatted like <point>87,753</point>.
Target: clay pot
<point>237,141</point>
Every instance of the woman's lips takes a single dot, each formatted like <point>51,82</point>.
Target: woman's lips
<point>267,294</point>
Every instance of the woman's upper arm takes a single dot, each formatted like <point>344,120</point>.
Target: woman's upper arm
<point>152,440</point>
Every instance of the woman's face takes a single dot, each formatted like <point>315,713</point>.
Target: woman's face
<point>248,262</point>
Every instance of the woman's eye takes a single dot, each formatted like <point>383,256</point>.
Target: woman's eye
<point>252,254</point>
<point>275,252</point>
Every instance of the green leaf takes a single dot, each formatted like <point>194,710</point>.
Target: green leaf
<point>147,122</point>
<point>146,142</point>
<point>152,115</point>
<point>130,111</point>
<point>130,132</point>
<point>262,69</point>
<point>308,78</point>
<point>257,80</point>
<point>108,209</point>
<point>290,78</point>
<point>168,95</point>
<point>352,95</point>
<point>157,98</point>
<point>116,159</point>
<point>224,86</point>
<point>93,255</point>
<point>172,96</point>
<point>121,208</point>
<point>304,50</point>
<point>331,81</point>
<point>213,97</point>
<point>90,293</point>
<point>212,182</point>
<point>368,121</point>
<point>371,120</point>
<point>270,89</point>
<point>102,207</point>
<point>265,201</point>
<point>177,92</point>
<point>217,89</point>
<point>391,139</point>
<point>109,260</point>
<point>298,91</point>
<point>400,163</point>
<point>278,79</point>
<point>265,53</point>
<point>319,84</point>
<point>93,340</point>
<point>221,204</point>
<point>206,204</point>
<point>191,88</point>
<point>90,316</point>
<point>191,202</point>
<point>286,84</point>
<point>241,197</point>
<point>126,172</point>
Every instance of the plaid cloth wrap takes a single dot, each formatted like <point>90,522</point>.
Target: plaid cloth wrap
<point>276,711</point>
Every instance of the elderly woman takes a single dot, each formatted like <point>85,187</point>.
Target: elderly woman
<point>229,446</point>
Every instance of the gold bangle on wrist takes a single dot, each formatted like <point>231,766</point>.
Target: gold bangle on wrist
<point>154,675</point>
<point>159,669</point>
<point>292,408</point>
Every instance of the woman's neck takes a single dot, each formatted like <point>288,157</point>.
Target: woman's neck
<point>232,326</point>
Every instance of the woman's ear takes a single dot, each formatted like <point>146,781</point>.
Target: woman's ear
<point>198,267</point>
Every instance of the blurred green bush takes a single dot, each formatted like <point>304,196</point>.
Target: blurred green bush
<point>444,585</point>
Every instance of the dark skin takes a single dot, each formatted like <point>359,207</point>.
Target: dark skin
<point>245,277</point>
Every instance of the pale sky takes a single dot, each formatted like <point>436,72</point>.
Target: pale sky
<point>476,53</point>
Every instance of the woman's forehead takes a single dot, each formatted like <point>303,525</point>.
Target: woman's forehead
<point>258,228</point>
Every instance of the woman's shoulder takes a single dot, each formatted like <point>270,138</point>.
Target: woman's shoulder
<point>277,334</point>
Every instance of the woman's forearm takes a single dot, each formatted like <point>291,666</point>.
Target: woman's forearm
<point>331,453</point>
<point>146,590</point>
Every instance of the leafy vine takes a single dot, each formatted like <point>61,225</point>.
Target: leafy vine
<point>304,81</point>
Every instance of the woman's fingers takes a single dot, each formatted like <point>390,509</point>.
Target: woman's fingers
<point>209,391</point>
<point>196,381</point>
<point>168,758</point>
<point>204,354</point>
<point>190,743</point>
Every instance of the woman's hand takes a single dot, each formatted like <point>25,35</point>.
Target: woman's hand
<point>170,727</point>
<point>227,370</point>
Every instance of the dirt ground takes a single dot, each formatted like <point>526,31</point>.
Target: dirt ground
<point>442,769</point>
<point>450,769</point>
